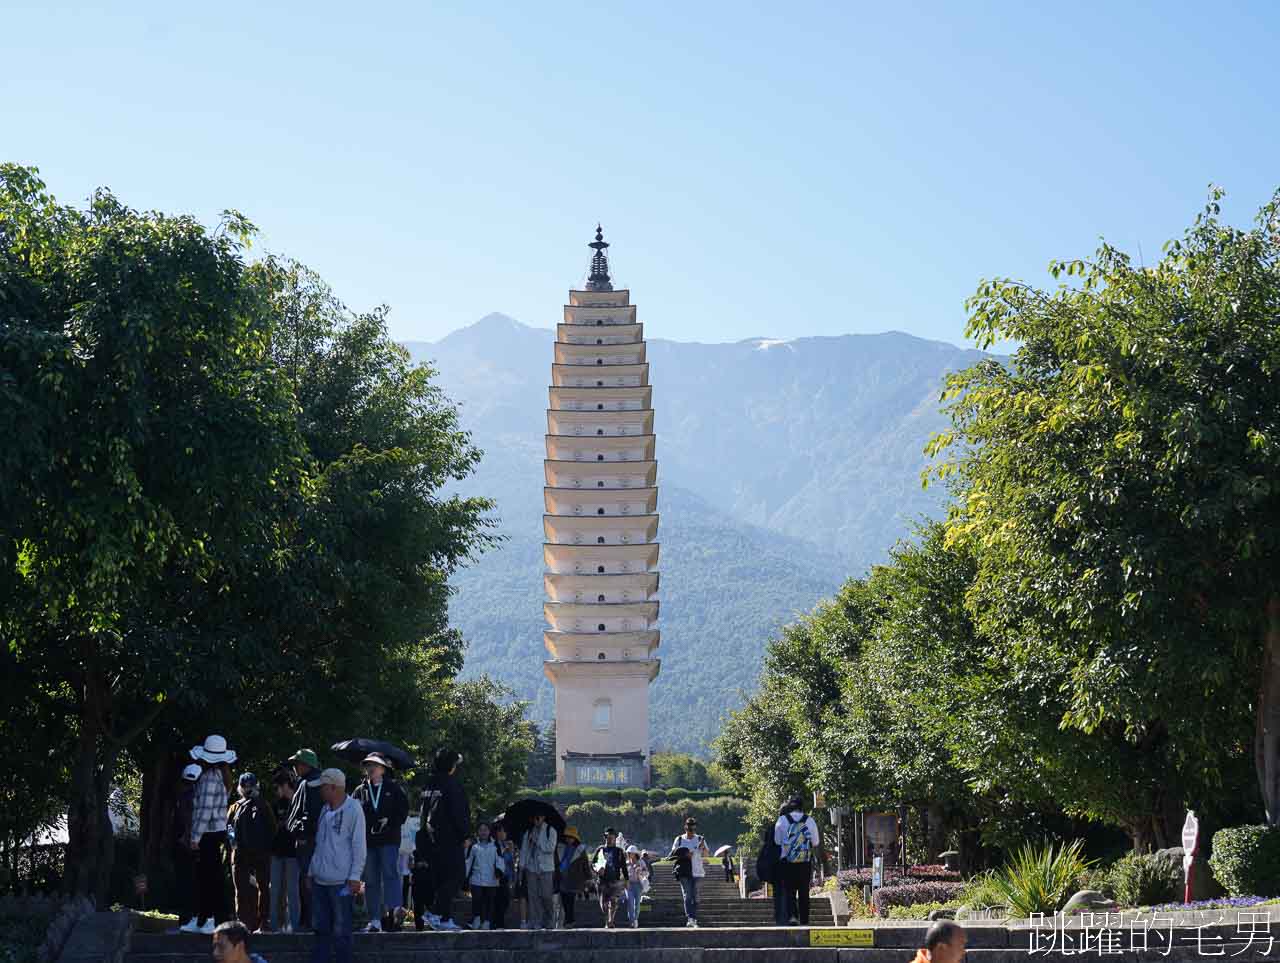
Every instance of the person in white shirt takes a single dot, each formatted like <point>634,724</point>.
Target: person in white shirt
<point>797,837</point>
<point>483,862</point>
<point>336,868</point>
<point>688,851</point>
<point>538,863</point>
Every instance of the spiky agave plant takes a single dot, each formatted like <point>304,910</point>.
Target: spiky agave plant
<point>1040,879</point>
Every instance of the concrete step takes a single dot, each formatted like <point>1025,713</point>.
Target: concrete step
<point>761,945</point>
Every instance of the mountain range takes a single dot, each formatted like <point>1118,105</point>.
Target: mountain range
<point>785,467</point>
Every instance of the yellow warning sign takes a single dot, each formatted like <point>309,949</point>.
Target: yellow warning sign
<point>842,937</point>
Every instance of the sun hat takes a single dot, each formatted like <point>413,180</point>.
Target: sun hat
<point>192,772</point>
<point>214,750</point>
<point>633,848</point>
<point>379,759</point>
<point>330,777</point>
<point>308,756</point>
<point>571,832</point>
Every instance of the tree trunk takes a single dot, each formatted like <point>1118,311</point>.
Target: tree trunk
<point>88,861</point>
<point>159,797</point>
<point>1266,743</point>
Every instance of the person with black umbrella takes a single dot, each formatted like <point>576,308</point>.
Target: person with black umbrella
<point>446,821</point>
<point>386,807</point>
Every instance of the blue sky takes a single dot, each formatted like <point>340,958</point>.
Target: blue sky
<point>762,169</point>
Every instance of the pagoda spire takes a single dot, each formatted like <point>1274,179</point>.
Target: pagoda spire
<point>598,279</point>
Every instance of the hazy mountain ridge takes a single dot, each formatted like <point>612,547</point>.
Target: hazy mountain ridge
<point>785,466</point>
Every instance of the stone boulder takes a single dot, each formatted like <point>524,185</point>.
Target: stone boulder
<point>1203,885</point>
<point>1087,901</point>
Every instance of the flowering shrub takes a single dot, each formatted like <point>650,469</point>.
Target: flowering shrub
<point>857,878</point>
<point>1233,902</point>
<point>933,892</point>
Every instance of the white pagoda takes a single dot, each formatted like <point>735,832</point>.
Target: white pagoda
<point>601,525</point>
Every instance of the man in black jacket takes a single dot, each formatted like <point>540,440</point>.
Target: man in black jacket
<point>446,821</point>
<point>304,820</point>
<point>386,807</point>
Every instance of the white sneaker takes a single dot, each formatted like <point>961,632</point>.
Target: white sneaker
<point>431,919</point>
<point>190,926</point>
<point>635,924</point>
<point>475,923</point>
<point>690,924</point>
<point>373,928</point>
<point>448,926</point>
<point>208,928</point>
<point>485,925</point>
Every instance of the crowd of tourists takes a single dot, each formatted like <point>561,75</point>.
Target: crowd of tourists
<point>303,852</point>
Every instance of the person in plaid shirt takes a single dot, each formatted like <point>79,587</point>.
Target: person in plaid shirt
<point>209,831</point>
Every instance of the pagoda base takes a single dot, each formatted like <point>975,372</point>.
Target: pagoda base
<point>621,770</point>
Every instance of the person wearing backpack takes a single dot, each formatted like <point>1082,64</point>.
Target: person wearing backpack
<point>251,827</point>
<point>575,872</point>
<point>610,863</point>
<point>688,852</point>
<point>797,837</point>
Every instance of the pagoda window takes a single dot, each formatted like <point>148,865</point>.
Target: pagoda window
<point>577,624</point>
<point>577,538</point>
<point>626,509</point>
<point>626,625</point>
<point>599,539</point>
<point>626,596</point>
<point>599,431</point>
<point>599,598</point>
<point>599,457</point>
<point>599,569</point>
<point>600,384</point>
<point>599,340</point>
<point>626,538</point>
<point>577,568</point>
<point>602,713</point>
<point>600,628</point>
<point>577,509</point>
<point>599,360</point>
<point>599,321</point>
<point>577,596</point>
<point>599,484</point>
<point>599,407</point>
<point>599,511</point>
<point>626,653</point>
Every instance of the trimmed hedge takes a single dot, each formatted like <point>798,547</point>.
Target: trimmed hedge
<point>886,897</point>
<point>1246,860</point>
<point>720,820</point>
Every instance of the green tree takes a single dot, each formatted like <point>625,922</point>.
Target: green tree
<point>1116,485</point>
<point>542,758</point>
<point>223,508</point>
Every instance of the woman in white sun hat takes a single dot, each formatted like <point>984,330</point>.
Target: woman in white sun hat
<point>209,832</point>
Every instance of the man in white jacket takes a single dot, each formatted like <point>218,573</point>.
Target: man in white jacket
<point>336,867</point>
<point>538,862</point>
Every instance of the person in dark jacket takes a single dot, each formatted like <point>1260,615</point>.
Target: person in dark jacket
<point>184,859</point>
<point>285,881</point>
<point>251,828</point>
<point>446,821</point>
<point>304,821</point>
<point>386,807</point>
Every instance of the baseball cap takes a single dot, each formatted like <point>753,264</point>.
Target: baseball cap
<point>308,756</point>
<point>330,777</point>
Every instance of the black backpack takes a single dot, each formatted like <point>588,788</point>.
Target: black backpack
<point>768,858</point>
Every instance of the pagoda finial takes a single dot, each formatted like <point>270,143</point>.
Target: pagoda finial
<point>598,279</point>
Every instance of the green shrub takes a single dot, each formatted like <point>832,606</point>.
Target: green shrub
<point>1246,860</point>
<point>637,797</point>
<point>657,796</point>
<point>676,795</point>
<point>593,792</point>
<point>981,892</point>
<point>920,911</point>
<point>1144,880</point>
<point>1040,880</point>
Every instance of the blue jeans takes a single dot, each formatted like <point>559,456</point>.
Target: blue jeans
<point>284,884</point>
<point>331,909</point>
<point>635,890</point>
<point>382,880</point>
<point>689,887</point>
